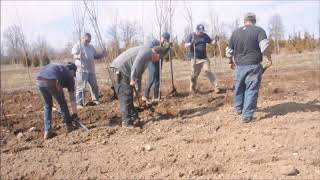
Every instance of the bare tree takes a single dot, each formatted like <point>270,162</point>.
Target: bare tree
<point>13,40</point>
<point>128,32</point>
<point>113,34</point>
<point>319,22</point>
<point>216,25</point>
<point>188,16</point>
<point>78,19</point>
<point>42,49</point>
<point>234,25</point>
<point>276,30</point>
<point>161,14</point>
<point>171,11</point>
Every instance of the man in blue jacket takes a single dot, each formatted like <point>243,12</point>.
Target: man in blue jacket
<point>246,48</point>
<point>51,80</point>
<point>154,69</point>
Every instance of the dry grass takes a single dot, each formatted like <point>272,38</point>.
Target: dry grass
<point>15,77</point>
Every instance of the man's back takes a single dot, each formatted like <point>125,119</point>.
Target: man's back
<point>245,43</point>
<point>58,72</point>
<point>124,62</point>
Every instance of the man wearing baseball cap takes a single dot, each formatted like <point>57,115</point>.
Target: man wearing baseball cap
<point>154,68</point>
<point>196,42</point>
<point>246,48</point>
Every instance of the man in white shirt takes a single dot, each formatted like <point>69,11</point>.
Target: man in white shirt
<point>84,54</point>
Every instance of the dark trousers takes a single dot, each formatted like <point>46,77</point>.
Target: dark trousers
<point>153,78</point>
<point>48,90</point>
<point>125,95</point>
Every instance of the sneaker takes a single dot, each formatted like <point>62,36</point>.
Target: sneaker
<point>49,134</point>
<point>144,98</point>
<point>96,102</point>
<point>127,125</point>
<point>156,100</point>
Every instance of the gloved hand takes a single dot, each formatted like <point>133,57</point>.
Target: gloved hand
<point>170,44</point>
<point>216,38</point>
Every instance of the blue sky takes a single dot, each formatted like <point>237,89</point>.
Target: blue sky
<point>54,19</point>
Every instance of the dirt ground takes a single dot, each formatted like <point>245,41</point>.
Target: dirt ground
<point>180,137</point>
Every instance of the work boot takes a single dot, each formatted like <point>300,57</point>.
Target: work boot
<point>127,125</point>
<point>247,120</point>
<point>49,134</point>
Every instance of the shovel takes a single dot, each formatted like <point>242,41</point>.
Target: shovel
<point>79,124</point>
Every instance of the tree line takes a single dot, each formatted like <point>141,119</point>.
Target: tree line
<point>123,34</point>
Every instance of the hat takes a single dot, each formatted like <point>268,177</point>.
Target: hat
<point>86,35</point>
<point>250,16</point>
<point>71,66</point>
<point>166,36</point>
<point>200,28</point>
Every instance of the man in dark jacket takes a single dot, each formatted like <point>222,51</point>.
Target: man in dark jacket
<point>51,80</point>
<point>246,48</point>
<point>154,69</point>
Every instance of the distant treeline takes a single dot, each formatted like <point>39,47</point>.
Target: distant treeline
<point>40,53</point>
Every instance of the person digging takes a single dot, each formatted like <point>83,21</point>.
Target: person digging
<point>51,80</point>
<point>128,68</point>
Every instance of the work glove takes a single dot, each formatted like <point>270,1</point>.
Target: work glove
<point>170,44</point>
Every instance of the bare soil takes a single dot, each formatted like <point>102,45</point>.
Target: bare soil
<point>180,137</point>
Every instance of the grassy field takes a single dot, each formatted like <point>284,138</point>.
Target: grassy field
<point>15,77</point>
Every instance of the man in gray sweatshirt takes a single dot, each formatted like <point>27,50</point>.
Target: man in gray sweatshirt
<point>84,54</point>
<point>128,68</point>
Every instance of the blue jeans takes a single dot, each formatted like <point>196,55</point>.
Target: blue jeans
<point>154,77</point>
<point>247,85</point>
<point>125,95</point>
<point>47,90</point>
<point>81,80</point>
